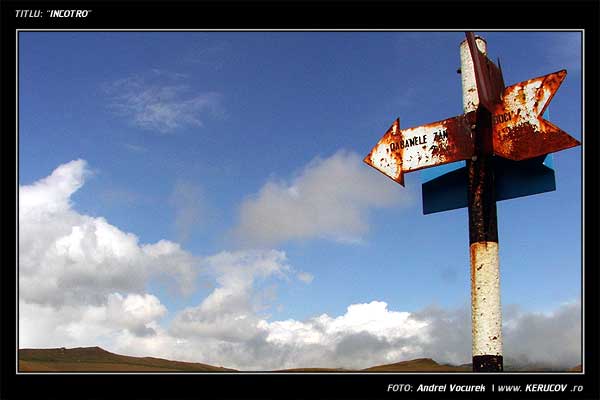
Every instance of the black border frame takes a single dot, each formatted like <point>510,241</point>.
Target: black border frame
<point>227,14</point>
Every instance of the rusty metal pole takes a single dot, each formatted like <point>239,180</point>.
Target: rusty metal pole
<point>486,313</point>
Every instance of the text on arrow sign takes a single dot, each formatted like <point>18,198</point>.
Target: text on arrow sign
<point>405,150</point>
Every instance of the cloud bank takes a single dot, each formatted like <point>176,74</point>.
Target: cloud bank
<point>84,270</point>
<point>330,198</point>
<point>67,257</point>
<point>84,282</point>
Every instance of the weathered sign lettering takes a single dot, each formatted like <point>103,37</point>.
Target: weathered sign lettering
<point>405,150</point>
<point>501,118</point>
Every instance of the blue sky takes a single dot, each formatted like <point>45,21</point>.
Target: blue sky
<point>237,142</point>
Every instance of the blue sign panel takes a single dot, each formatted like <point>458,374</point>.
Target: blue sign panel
<point>445,188</point>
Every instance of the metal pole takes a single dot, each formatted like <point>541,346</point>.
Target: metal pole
<point>486,313</point>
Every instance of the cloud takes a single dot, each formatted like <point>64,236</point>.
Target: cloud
<point>365,335</point>
<point>161,102</point>
<point>449,334</point>
<point>330,198</point>
<point>134,312</point>
<point>52,194</point>
<point>83,266</point>
<point>548,338</point>
<point>78,325</point>
<point>232,310</point>
<point>188,202</point>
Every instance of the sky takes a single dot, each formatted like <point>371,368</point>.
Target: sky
<point>201,196</point>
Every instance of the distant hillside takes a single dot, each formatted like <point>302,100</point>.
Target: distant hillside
<point>91,359</point>
<point>96,359</point>
<point>418,365</point>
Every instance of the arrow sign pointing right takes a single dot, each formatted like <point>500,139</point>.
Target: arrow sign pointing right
<point>518,130</point>
<point>411,149</point>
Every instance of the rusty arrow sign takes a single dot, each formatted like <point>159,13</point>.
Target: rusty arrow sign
<point>518,130</point>
<point>405,150</point>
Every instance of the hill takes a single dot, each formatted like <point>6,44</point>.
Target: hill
<point>96,359</point>
<point>418,365</point>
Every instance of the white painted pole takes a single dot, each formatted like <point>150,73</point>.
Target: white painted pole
<point>486,312</point>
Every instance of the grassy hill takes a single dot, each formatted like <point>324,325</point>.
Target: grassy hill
<point>96,359</point>
<point>418,365</point>
<point>92,359</point>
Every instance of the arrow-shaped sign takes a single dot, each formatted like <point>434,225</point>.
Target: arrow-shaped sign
<point>518,130</point>
<point>400,151</point>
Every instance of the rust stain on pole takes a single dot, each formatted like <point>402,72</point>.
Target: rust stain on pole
<point>483,222</point>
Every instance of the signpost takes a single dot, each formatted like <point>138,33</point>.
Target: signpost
<point>486,312</point>
<point>501,126</point>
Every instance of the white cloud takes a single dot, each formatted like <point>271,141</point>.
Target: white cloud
<point>67,257</point>
<point>161,102</point>
<point>371,319</point>
<point>365,335</point>
<point>232,310</point>
<point>135,311</point>
<point>78,325</point>
<point>330,198</point>
<point>52,194</point>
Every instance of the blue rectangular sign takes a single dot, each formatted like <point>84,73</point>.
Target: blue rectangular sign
<point>446,188</point>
